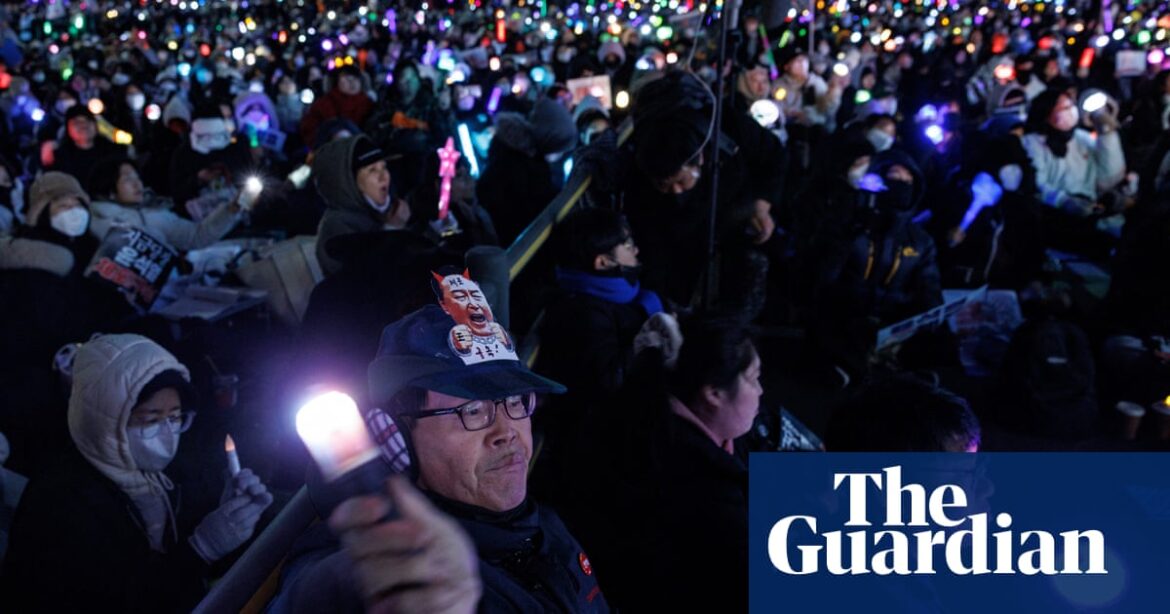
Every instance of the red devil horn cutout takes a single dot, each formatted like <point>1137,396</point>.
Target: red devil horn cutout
<point>438,278</point>
<point>467,274</point>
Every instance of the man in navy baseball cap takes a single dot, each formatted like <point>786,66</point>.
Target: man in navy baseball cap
<point>450,382</point>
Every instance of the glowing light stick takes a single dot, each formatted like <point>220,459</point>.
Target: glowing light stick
<point>252,188</point>
<point>448,156</point>
<point>1095,102</point>
<point>773,70</point>
<point>335,434</point>
<point>468,149</point>
<point>985,192</point>
<point>1087,57</point>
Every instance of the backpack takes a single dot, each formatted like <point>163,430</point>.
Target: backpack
<point>1050,376</point>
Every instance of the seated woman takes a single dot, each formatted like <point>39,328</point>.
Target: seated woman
<point>104,527</point>
<point>659,497</point>
<point>121,200</point>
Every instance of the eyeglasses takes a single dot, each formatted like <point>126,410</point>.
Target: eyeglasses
<point>178,423</point>
<point>479,415</point>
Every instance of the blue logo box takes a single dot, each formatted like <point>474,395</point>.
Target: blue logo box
<point>1037,532</point>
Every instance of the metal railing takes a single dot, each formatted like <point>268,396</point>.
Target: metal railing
<point>534,236</point>
<point>522,250</point>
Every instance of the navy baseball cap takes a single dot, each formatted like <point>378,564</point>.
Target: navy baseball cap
<point>454,347</point>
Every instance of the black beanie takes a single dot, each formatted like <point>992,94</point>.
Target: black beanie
<point>662,145</point>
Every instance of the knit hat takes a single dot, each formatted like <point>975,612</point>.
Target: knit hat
<point>176,109</point>
<point>788,53</point>
<point>590,106</point>
<point>78,110</point>
<point>553,128</point>
<point>611,47</point>
<point>49,187</point>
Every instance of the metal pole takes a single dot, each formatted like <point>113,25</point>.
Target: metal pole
<point>729,21</point>
<point>812,25</point>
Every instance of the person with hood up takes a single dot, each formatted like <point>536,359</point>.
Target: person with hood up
<point>54,235</point>
<point>123,201</point>
<point>351,176</point>
<point>518,181</point>
<point>345,98</point>
<point>884,272</point>
<point>105,520</point>
<point>1073,167</point>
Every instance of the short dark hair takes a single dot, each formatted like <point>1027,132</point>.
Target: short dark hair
<point>103,177</point>
<point>586,234</point>
<point>406,402</point>
<point>903,414</point>
<point>170,379</point>
<point>715,350</point>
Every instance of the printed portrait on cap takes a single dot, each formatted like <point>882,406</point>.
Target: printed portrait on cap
<point>476,336</point>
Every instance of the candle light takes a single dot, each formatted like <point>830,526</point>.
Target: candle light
<point>233,459</point>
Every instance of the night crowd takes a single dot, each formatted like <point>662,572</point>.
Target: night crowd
<point>879,225</point>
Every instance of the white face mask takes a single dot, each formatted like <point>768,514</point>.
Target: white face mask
<point>1010,177</point>
<point>880,139</point>
<point>152,454</point>
<point>210,134</point>
<point>71,222</point>
<point>136,101</point>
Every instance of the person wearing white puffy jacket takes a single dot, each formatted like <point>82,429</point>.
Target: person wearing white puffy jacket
<point>101,530</point>
<point>1073,167</point>
<point>119,199</point>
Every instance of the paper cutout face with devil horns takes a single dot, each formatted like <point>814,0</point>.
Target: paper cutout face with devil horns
<point>476,337</point>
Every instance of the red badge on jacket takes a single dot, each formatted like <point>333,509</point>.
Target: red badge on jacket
<point>585,566</point>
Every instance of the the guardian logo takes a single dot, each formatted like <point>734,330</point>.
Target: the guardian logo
<point>894,549</point>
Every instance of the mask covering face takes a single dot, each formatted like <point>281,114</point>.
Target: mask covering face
<point>72,222</point>
<point>209,134</point>
<point>897,196</point>
<point>62,106</point>
<point>880,139</point>
<point>152,454</point>
<point>136,101</point>
<point>1010,177</point>
<point>630,273</point>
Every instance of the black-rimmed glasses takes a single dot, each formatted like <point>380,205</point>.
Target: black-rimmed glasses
<point>479,415</point>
